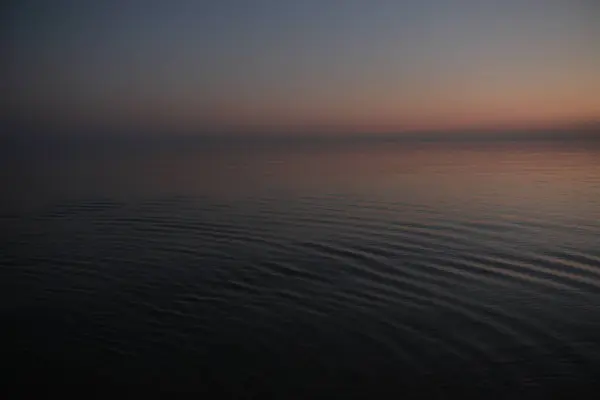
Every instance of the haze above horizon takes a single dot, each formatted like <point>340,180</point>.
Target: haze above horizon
<point>301,67</point>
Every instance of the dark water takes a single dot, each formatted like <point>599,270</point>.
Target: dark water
<point>420,271</point>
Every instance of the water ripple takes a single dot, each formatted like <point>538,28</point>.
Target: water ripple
<point>335,284</point>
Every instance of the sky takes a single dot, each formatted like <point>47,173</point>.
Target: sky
<point>288,66</point>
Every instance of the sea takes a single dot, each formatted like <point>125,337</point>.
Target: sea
<point>303,270</point>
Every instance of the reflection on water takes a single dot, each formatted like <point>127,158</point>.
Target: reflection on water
<point>291,272</point>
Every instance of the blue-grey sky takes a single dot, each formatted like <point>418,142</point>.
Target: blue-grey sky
<point>294,66</point>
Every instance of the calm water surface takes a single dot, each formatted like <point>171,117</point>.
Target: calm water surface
<point>429,270</point>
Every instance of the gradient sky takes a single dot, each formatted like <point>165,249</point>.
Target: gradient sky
<point>300,66</point>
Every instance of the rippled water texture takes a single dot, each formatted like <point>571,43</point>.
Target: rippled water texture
<point>295,273</point>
